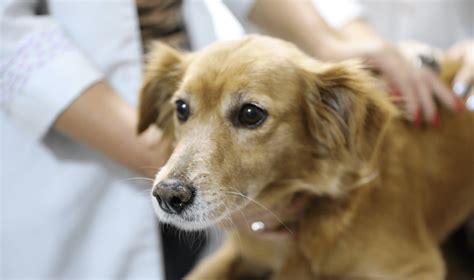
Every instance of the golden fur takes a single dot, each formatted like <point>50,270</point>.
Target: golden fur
<point>383,194</point>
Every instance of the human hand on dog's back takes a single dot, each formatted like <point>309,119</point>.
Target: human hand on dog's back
<point>416,88</point>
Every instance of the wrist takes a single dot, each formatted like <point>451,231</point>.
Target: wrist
<point>327,49</point>
<point>337,49</point>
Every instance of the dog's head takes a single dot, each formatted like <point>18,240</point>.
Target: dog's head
<point>253,113</point>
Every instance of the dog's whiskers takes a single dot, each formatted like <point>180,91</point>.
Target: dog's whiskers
<point>150,167</point>
<point>262,206</point>
<point>228,215</point>
<point>136,179</point>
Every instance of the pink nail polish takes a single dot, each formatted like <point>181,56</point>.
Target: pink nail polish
<point>395,92</point>
<point>435,121</point>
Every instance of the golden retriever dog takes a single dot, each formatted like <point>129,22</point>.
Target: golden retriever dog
<point>256,120</point>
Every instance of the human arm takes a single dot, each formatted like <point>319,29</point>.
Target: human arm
<point>354,40</point>
<point>300,19</point>
<point>45,74</point>
<point>101,119</point>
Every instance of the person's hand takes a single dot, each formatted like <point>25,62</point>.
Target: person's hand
<point>401,67</point>
<point>463,83</point>
<point>415,86</point>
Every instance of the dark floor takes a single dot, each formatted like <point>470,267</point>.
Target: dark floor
<point>459,256</point>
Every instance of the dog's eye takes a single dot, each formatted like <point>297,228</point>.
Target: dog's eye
<point>182,110</point>
<point>251,116</point>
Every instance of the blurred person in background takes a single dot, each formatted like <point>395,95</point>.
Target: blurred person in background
<point>70,75</point>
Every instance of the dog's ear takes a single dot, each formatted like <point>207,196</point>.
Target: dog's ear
<point>163,75</point>
<point>344,110</point>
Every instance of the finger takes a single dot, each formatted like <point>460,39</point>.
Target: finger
<point>402,81</point>
<point>403,86</point>
<point>396,99</point>
<point>412,105</point>
<point>444,95</point>
<point>462,81</point>
<point>395,96</point>
<point>426,100</point>
<point>470,100</point>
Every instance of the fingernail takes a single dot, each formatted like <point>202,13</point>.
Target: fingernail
<point>459,105</point>
<point>460,89</point>
<point>417,119</point>
<point>470,103</point>
<point>435,121</point>
<point>396,99</point>
<point>395,92</point>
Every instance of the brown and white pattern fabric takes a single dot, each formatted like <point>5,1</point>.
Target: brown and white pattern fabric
<point>162,20</point>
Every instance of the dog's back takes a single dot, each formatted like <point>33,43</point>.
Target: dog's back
<point>424,190</point>
<point>440,164</point>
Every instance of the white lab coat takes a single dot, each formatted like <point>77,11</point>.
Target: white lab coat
<point>209,21</point>
<point>439,23</point>
<point>66,211</point>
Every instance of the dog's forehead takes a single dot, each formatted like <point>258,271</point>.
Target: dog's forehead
<point>246,65</point>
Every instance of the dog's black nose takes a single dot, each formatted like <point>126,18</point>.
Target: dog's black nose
<point>173,195</point>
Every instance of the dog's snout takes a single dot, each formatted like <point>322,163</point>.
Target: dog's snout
<point>173,195</point>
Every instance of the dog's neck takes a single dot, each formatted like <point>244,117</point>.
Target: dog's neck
<point>305,204</point>
<point>332,214</point>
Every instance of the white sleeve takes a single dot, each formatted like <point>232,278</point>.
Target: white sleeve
<point>335,12</point>
<point>209,21</point>
<point>41,70</point>
<point>240,8</point>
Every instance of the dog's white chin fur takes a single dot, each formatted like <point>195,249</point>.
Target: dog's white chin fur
<point>188,226</point>
<point>180,222</point>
